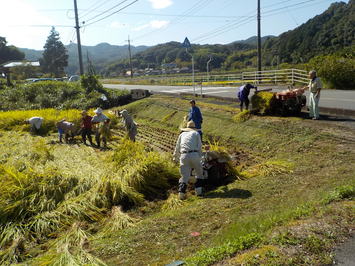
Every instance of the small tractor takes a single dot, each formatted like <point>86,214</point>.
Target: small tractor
<point>290,102</point>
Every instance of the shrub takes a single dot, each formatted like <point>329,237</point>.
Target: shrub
<point>264,102</point>
<point>60,95</point>
<point>337,72</point>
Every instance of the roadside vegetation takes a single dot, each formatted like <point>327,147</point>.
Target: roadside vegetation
<point>73,204</point>
<point>61,95</point>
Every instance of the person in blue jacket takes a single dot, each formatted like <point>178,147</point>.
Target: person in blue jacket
<point>243,94</point>
<point>195,116</point>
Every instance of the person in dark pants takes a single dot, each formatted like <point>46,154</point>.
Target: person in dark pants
<point>86,127</point>
<point>243,95</point>
<point>195,116</point>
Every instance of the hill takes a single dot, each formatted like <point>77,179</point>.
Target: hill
<point>100,54</point>
<point>326,33</point>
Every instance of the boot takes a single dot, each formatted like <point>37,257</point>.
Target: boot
<point>182,196</point>
<point>182,190</point>
<point>199,191</point>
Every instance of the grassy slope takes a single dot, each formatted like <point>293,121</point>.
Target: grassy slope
<point>295,164</point>
<point>322,158</point>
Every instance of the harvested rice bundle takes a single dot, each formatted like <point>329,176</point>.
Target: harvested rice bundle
<point>264,102</point>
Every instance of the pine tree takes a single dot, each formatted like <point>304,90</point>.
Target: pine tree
<point>55,57</point>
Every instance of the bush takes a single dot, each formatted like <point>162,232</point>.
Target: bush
<point>337,72</point>
<point>264,102</point>
<point>59,95</point>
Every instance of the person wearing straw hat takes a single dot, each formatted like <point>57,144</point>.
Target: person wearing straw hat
<point>65,128</point>
<point>98,118</point>
<point>188,152</point>
<point>86,127</point>
<point>129,124</point>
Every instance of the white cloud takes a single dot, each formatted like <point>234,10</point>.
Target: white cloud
<point>15,20</point>
<point>154,24</point>
<point>160,4</point>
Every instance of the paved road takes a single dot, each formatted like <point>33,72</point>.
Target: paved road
<point>329,98</point>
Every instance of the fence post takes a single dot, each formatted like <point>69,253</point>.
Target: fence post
<point>292,77</point>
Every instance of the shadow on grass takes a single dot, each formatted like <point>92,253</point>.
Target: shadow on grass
<point>233,193</point>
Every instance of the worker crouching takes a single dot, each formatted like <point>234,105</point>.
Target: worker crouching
<point>129,124</point>
<point>189,151</point>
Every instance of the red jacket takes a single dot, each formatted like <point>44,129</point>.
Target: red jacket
<point>86,122</point>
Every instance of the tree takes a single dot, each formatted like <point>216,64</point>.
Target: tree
<point>55,57</point>
<point>8,53</point>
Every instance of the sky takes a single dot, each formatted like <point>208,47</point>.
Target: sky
<point>27,23</point>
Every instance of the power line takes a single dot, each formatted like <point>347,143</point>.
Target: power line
<point>196,7</point>
<point>230,26</point>
<point>107,10</point>
<point>115,12</point>
<point>93,8</point>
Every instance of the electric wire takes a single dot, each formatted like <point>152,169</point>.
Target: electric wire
<point>106,11</point>
<point>115,12</point>
<point>231,26</point>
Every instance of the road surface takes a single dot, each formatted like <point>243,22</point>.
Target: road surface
<point>329,98</point>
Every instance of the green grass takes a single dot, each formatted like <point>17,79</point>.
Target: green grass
<point>282,184</point>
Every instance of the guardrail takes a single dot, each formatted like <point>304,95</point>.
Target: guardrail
<point>285,76</point>
<point>282,76</point>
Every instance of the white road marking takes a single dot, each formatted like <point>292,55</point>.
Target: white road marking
<point>197,90</point>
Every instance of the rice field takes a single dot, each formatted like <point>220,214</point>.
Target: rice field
<point>72,204</point>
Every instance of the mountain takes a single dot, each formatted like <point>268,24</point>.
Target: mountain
<point>326,33</point>
<point>100,54</point>
<point>253,40</point>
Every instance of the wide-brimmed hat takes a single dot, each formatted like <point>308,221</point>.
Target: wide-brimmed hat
<point>98,111</point>
<point>190,126</point>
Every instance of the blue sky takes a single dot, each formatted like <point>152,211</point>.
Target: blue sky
<point>26,23</point>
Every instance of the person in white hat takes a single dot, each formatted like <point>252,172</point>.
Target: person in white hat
<point>130,125</point>
<point>36,123</point>
<point>99,117</point>
<point>188,151</point>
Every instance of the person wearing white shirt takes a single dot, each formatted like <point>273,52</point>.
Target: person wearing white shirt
<point>36,123</point>
<point>188,151</point>
<point>314,86</point>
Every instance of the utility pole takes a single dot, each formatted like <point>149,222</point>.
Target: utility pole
<point>77,27</point>
<point>130,56</point>
<point>208,74</point>
<point>259,38</point>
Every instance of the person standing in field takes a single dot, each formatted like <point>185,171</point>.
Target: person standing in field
<point>86,127</point>
<point>65,128</point>
<point>195,116</point>
<point>98,118</point>
<point>243,95</point>
<point>129,124</point>
<point>36,123</point>
<point>188,152</point>
<point>314,86</point>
